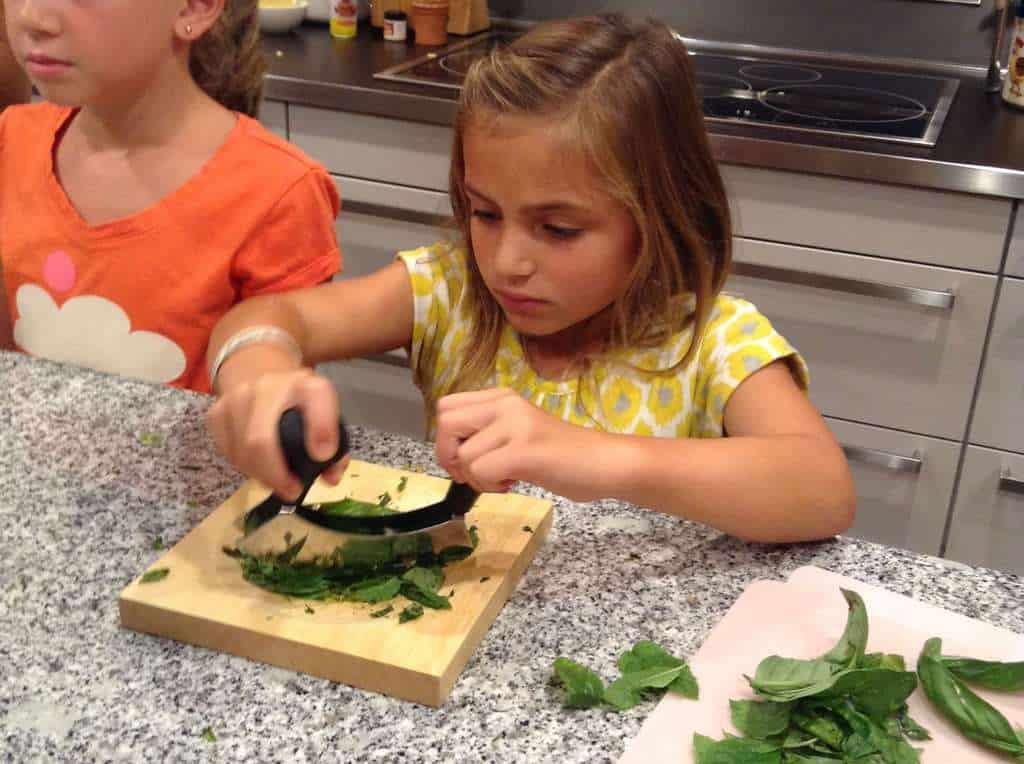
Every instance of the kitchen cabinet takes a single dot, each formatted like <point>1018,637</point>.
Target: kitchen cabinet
<point>889,343</point>
<point>274,117</point>
<point>999,412</point>
<point>936,227</point>
<point>1015,257</point>
<point>904,484</point>
<point>377,220</point>
<point>988,520</point>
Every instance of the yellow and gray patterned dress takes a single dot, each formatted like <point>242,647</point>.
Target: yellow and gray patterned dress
<point>641,392</point>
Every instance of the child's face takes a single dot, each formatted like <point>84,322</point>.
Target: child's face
<point>83,52</point>
<point>552,246</point>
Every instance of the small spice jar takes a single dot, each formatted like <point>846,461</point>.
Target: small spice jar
<point>344,19</point>
<point>395,26</point>
<point>430,20</point>
<point>1013,85</point>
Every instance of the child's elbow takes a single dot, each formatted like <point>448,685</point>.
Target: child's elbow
<point>839,505</point>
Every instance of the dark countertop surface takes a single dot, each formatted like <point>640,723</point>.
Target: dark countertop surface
<point>980,149</point>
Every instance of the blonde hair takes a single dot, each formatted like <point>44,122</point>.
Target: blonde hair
<point>625,91</point>
<point>227,62</point>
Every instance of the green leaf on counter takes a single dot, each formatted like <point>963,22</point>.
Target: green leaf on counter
<point>158,544</point>
<point>760,719</point>
<point>428,579</point>
<point>976,718</point>
<point>152,576</point>
<point>151,439</point>
<point>190,467</point>
<point>735,750</point>
<point>376,590</point>
<point>647,655</point>
<point>583,688</point>
<point>411,613</point>
<point>995,675</point>
<point>425,597</point>
<point>382,612</point>
<point>208,736</point>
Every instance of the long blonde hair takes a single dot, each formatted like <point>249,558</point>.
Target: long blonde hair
<point>227,62</point>
<point>625,91</point>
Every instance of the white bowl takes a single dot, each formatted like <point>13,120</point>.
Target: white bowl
<point>277,20</point>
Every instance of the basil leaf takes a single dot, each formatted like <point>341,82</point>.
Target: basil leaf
<point>152,576</point>
<point>424,597</point>
<point>349,507</point>
<point>411,613</point>
<point>735,750</point>
<point>785,679</point>
<point>822,725</point>
<point>583,688</point>
<point>882,660</point>
<point>428,579</point>
<point>850,648</point>
<point>1008,677</point>
<point>910,728</point>
<point>375,590</point>
<point>760,719</point>
<point>382,612</point>
<point>976,718</point>
<point>646,654</point>
<point>625,692</point>
<point>876,692</point>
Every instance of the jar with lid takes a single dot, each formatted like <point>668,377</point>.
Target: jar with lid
<point>396,26</point>
<point>1013,85</point>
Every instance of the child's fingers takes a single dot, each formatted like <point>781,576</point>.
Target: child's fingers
<point>483,442</point>
<point>461,400</point>
<point>332,475</point>
<point>493,471</point>
<point>455,426</point>
<point>319,405</point>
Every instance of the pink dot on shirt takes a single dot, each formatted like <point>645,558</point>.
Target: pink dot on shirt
<point>59,272</point>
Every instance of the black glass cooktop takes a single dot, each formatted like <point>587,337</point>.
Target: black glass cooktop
<point>837,100</point>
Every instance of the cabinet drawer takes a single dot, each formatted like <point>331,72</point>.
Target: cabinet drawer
<point>943,228</point>
<point>904,485</point>
<point>379,395</point>
<point>988,519</point>
<point>378,219</point>
<point>876,354</point>
<point>374,148</point>
<point>274,117</point>
<point>999,412</point>
<point>1015,258</point>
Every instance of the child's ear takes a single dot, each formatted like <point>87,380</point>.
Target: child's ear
<point>196,17</point>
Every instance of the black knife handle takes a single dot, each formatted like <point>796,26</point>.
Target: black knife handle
<point>291,430</point>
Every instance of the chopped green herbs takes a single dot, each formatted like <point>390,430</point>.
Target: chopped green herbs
<point>208,736</point>
<point>151,439</point>
<point>350,507</point>
<point>310,610</point>
<point>484,579</point>
<point>190,467</point>
<point>382,612</point>
<point>384,499</point>
<point>411,613</point>
<point>528,529</point>
<point>152,576</point>
<point>402,483</point>
<point>646,670</point>
<point>158,544</point>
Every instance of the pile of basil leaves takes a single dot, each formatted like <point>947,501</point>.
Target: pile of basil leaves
<point>851,706</point>
<point>373,570</point>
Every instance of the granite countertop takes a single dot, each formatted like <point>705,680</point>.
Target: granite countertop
<point>82,498</point>
<point>978,150</point>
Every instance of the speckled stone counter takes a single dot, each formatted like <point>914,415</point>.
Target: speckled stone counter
<point>83,494</point>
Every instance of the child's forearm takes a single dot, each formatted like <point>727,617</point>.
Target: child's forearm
<point>779,488</point>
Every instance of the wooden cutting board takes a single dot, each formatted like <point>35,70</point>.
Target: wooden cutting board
<point>205,600</point>
<point>803,618</point>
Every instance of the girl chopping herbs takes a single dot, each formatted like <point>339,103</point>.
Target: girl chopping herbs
<point>142,201</point>
<point>577,337</point>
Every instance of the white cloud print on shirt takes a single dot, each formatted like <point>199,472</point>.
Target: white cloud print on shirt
<point>95,332</point>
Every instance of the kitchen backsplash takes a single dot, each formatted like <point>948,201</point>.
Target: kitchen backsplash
<point>934,31</point>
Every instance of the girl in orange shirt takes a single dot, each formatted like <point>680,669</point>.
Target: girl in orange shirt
<point>143,201</point>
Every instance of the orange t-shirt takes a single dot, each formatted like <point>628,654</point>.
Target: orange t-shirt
<point>139,296</point>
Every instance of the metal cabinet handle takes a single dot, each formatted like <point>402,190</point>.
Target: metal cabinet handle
<point>930,298</point>
<point>1010,484</point>
<point>395,213</point>
<point>876,458</point>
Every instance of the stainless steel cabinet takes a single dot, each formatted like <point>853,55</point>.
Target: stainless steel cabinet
<point>274,117</point>
<point>999,413</point>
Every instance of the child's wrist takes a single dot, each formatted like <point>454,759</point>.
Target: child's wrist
<point>259,349</point>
